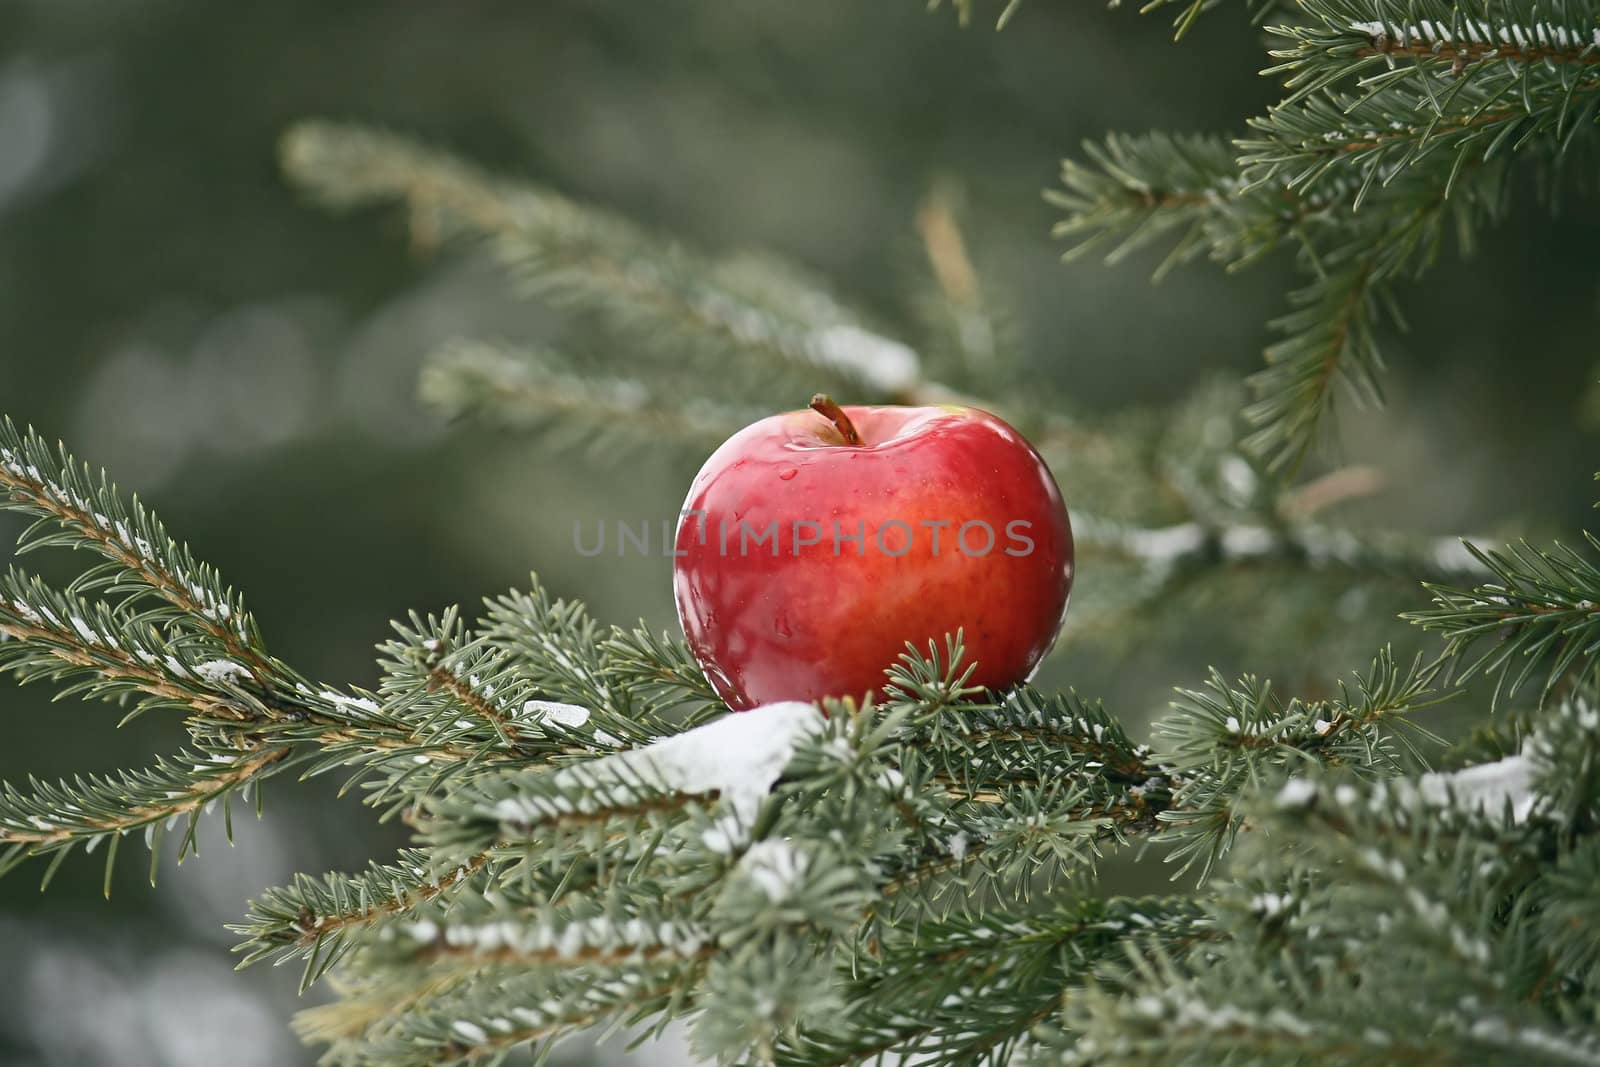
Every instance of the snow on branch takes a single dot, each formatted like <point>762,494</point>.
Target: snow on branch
<point>734,761</point>
<point>1166,552</point>
<point>1470,39</point>
<point>84,510</point>
<point>598,941</point>
<point>316,919</point>
<point>1505,784</point>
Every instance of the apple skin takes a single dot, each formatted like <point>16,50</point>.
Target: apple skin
<point>827,619</point>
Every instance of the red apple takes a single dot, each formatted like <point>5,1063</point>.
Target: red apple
<point>816,543</point>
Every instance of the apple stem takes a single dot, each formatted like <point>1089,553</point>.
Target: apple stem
<point>824,405</point>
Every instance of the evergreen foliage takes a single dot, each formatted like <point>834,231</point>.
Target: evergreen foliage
<point>598,843</point>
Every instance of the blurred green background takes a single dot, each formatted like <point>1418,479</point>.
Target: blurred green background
<point>248,364</point>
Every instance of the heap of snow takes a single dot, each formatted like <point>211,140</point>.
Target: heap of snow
<point>740,757</point>
<point>1486,787</point>
<point>776,867</point>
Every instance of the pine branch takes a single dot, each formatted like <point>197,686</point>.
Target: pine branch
<point>1524,81</point>
<point>438,1027</point>
<point>527,391</point>
<point>172,636</point>
<point>318,920</point>
<point>735,319</point>
<point>1539,616</point>
<point>661,668</point>
<point>1218,741</point>
<point>82,510</point>
<point>1407,882</point>
<point>1566,906</point>
<point>54,818</point>
<point>970,992</point>
<point>1140,189</point>
<point>562,653</point>
<point>1168,555</point>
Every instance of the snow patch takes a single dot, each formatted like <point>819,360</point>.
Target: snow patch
<point>27,613</point>
<point>1480,33</point>
<point>347,703</point>
<point>471,1031</point>
<point>776,866</point>
<point>1487,787</point>
<point>1297,793</point>
<point>740,757</point>
<point>218,671</point>
<point>569,715</point>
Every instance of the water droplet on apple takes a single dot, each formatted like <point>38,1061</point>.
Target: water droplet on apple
<point>790,473</point>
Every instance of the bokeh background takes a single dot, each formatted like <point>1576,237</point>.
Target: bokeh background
<point>248,364</point>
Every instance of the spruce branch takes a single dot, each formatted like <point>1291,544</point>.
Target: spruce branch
<point>1167,555</point>
<point>562,653</point>
<point>1141,189</point>
<point>1219,740</point>
<point>1331,340</point>
<point>1538,616</point>
<point>111,653</point>
<point>438,1025</point>
<point>1566,907</point>
<point>1137,190</point>
<point>56,817</point>
<point>1323,152</point>
<point>661,668</point>
<point>1561,759</point>
<point>460,689</point>
<point>554,942</point>
<point>993,981</point>
<point>78,509</point>
<point>531,391</point>
<point>730,764</point>
<point>1402,880</point>
<point>1031,737</point>
<point>318,919</point>
<point>1517,78</point>
<point>646,822</point>
<point>169,635</point>
<point>740,319</point>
